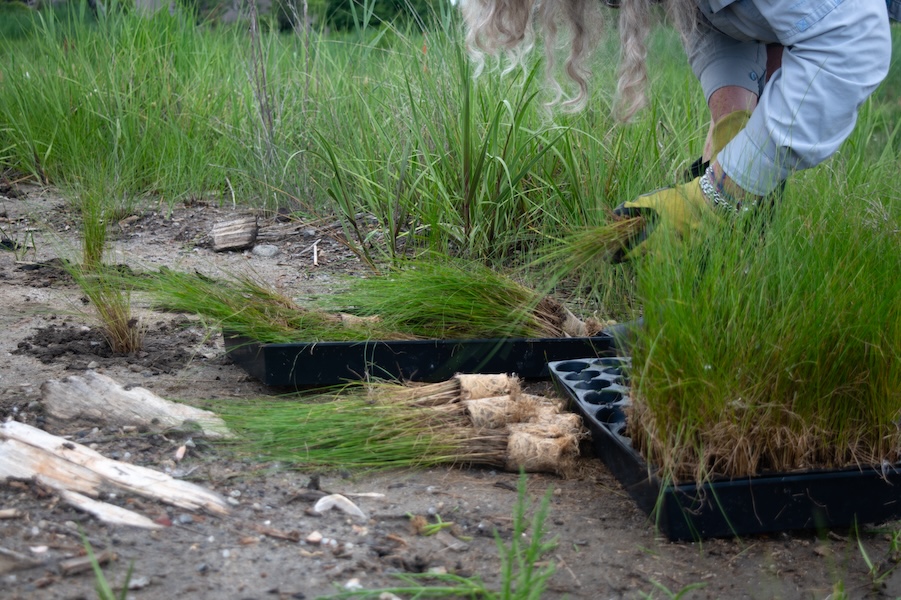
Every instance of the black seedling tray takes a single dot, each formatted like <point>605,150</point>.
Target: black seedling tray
<point>598,389</point>
<point>328,363</point>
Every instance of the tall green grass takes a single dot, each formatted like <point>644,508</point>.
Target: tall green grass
<point>385,123</point>
<point>170,108</point>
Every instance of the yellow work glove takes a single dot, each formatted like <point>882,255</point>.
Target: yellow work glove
<point>727,128</point>
<point>678,211</point>
<point>723,131</point>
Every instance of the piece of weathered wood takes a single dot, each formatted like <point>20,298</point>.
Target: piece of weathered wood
<point>13,561</point>
<point>106,512</point>
<point>28,452</point>
<point>80,564</point>
<point>101,399</point>
<point>236,234</point>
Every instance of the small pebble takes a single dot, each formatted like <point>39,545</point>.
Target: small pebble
<point>314,538</point>
<point>138,583</point>
<point>265,250</point>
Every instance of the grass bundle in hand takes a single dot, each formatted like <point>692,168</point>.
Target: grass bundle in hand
<point>591,245</point>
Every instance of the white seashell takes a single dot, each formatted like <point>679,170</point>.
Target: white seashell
<point>340,502</point>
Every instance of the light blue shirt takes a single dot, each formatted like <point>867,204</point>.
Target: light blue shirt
<point>837,53</point>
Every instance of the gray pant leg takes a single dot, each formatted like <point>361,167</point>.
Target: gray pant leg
<point>719,61</point>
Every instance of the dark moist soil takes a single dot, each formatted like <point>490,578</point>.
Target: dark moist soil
<point>164,350</point>
<point>605,547</point>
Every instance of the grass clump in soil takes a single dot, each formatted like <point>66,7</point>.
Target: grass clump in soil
<point>780,353</point>
<point>108,293</point>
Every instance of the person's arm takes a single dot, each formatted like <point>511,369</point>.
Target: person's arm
<point>829,67</point>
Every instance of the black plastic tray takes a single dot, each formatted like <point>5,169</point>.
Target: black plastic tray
<point>598,389</point>
<point>327,363</point>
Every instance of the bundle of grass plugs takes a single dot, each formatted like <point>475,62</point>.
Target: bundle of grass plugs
<point>467,420</point>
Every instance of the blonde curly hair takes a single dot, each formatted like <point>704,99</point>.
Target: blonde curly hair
<point>510,27</point>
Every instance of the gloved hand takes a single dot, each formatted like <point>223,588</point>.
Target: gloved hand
<point>723,131</point>
<point>679,210</point>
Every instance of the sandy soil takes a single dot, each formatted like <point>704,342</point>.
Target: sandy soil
<point>606,547</point>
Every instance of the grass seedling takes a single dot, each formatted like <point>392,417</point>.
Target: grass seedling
<point>112,304</point>
<point>423,527</point>
<point>428,299</point>
<point>101,583</point>
<point>18,245</point>
<point>588,246</point>
<point>380,425</point>
<point>109,296</point>
<point>882,569</point>
<point>522,575</point>
<point>671,595</point>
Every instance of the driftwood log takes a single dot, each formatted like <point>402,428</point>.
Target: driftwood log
<point>79,474</point>
<point>101,399</point>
